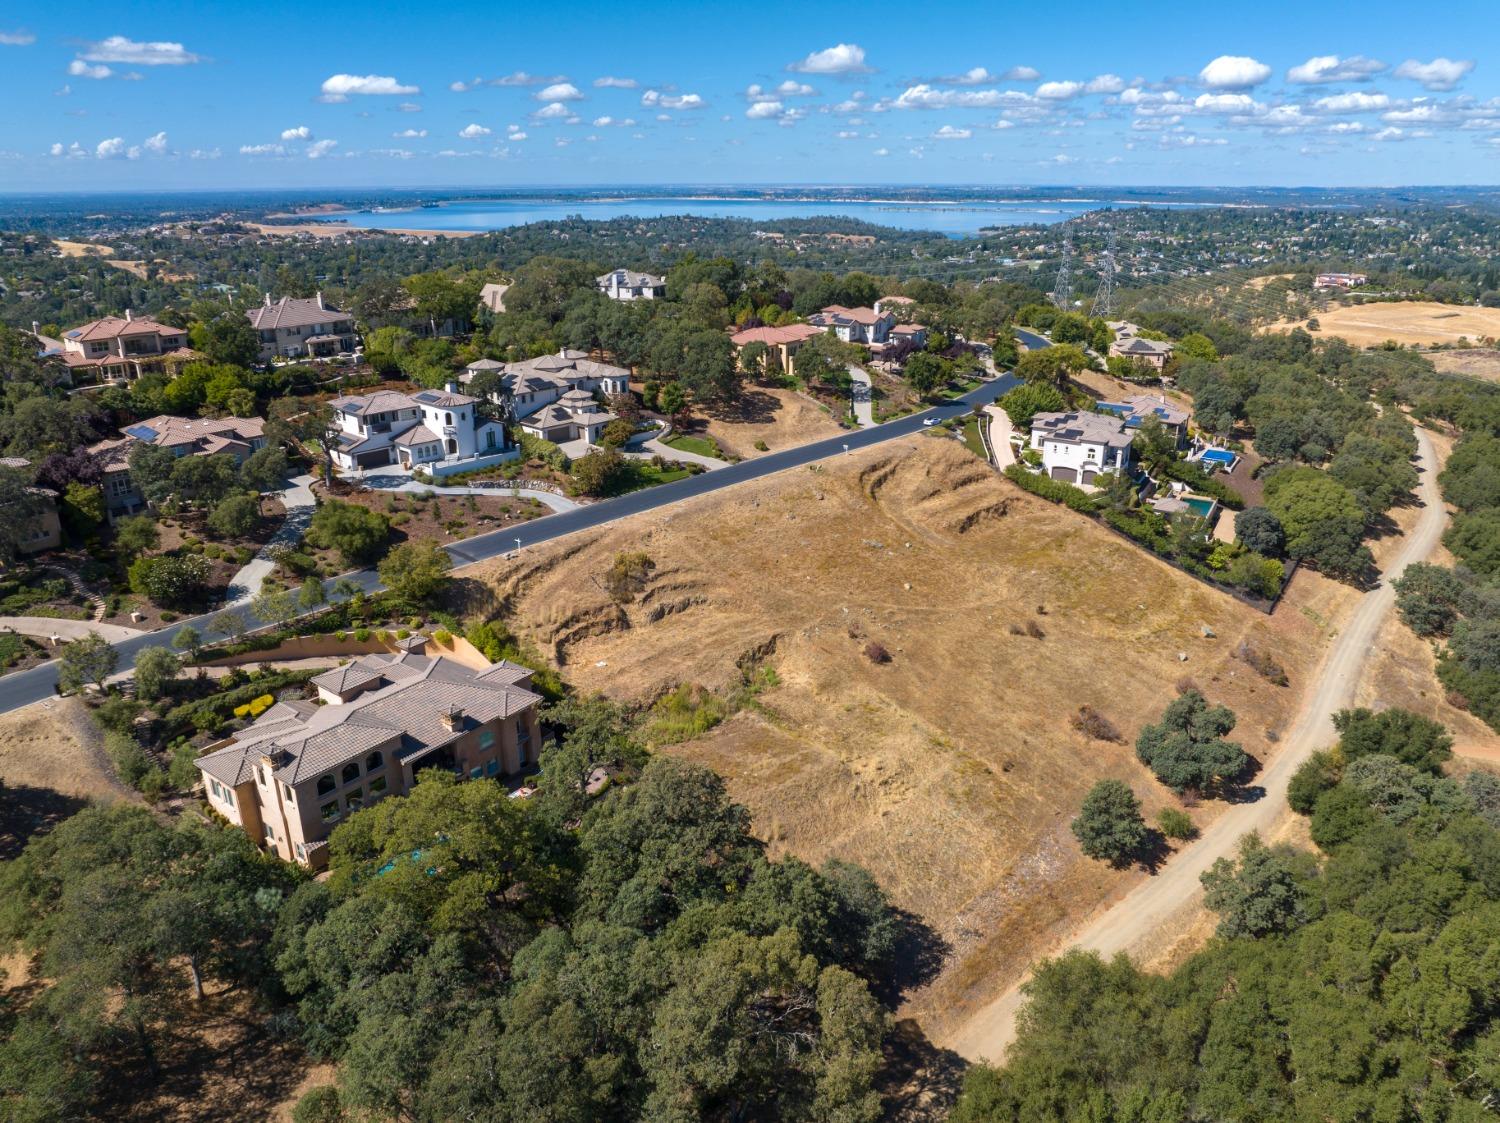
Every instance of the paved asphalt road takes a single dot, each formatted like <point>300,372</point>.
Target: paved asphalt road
<point>25,687</point>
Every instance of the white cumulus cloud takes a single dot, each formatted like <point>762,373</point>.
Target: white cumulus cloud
<point>1439,74</point>
<point>321,148</point>
<point>845,58</point>
<point>655,99</point>
<point>1105,84</point>
<point>340,87</point>
<point>608,82</point>
<point>1059,91</point>
<point>409,134</point>
<point>117,48</point>
<point>948,132</point>
<point>1225,103</point>
<point>559,91</point>
<point>553,112</point>
<point>1356,102</point>
<point>763,110</point>
<point>262,150</point>
<point>111,149</point>
<point>156,143</point>
<point>472,130</point>
<point>298,132</point>
<point>1321,69</point>
<point>16,38</point>
<point>80,69</point>
<point>1234,72</point>
<point>1022,74</point>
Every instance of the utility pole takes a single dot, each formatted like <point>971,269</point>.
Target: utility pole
<point>1062,292</point>
<point>1104,299</point>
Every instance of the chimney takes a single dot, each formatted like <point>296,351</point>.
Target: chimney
<point>36,328</point>
<point>453,720</point>
<point>128,316</point>
<point>268,300</point>
<point>451,386</point>
<point>321,306</point>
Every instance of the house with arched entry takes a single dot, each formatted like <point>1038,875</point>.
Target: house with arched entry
<point>1077,446</point>
<point>305,765</point>
<point>441,431</point>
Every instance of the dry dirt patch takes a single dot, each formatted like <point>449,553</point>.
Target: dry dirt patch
<point>952,771</point>
<point>1406,322</point>
<point>83,249</point>
<point>780,418</point>
<point>1474,362</point>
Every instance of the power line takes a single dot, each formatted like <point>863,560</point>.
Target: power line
<point>1104,298</point>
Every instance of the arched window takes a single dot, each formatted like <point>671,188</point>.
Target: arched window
<point>351,771</point>
<point>326,784</point>
<point>448,418</point>
<point>374,760</point>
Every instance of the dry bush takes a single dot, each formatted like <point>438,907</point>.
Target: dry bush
<point>1263,665</point>
<point>1091,723</point>
<point>1017,630</point>
<point>1034,630</point>
<point>876,652</point>
<point>1186,685</point>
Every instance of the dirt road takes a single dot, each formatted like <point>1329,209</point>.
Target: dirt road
<point>1137,921</point>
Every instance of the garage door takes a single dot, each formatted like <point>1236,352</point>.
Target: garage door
<point>1088,475</point>
<point>377,459</point>
<point>1067,475</point>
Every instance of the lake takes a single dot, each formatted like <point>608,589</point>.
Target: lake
<point>956,219</point>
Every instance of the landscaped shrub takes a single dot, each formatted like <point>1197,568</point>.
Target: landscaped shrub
<point>1261,663</point>
<point>1055,491</point>
<point>442,636</point>
<point>362,635</point>
<point>876,653</point>
<point>1176,824</point>
<point>1091,723</point>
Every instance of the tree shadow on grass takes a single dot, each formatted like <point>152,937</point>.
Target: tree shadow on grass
<point>919,1080</point>
<point>752,407</point>
<point>919,957</point>
<point>26,811</point>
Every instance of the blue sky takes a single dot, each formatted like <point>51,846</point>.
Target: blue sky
<point>274,94</point>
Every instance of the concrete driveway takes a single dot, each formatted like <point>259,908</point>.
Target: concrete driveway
<point>298,497</point>
<point>864,396</point>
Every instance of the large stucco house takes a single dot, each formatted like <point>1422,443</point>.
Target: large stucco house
<point>1077,446</point>
<point>782,343</point>
<point>1136,409</point>
<point>555,396</point>
<point>119,349</point>
<point>182,436</point>
<point>1152,353</point>
<point>297,328</point>
<point>305,766</point>
<point>855,325</point>
<point>440,431</point>
<point>575,416</point>
<point>626,284</point>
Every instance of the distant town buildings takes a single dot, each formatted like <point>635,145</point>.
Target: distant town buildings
<point>625,284</point>
<point>302,768</point>
<point>1340,280</point>
<point>438,430</point>
<point>295,328</point>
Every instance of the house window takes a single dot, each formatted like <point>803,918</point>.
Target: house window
<point>326,784</point>
<point>290,796</point>
<point>301,851</point>
<point>475,773</point>
<point>377,785</point>
<point>329,811</point>
<point>270,834</point>
<point>355,799</point>
<point>486,738</point>
<point>374,760</point>
<point>350,772</point>
<point>491,768</point>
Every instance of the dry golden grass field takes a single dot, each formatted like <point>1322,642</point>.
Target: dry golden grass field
<point>952,771</point>
<point>1474,362</point>
<point>780,418</point>
<point>1405,322</point>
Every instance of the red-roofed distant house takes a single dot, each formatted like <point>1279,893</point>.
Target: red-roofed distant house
<point>122,348</point>
<point>783,342</point>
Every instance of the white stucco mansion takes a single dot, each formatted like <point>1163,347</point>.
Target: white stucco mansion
<point>440,431</point>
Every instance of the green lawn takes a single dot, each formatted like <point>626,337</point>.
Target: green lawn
<point>700,446</point>
<point>971,438</point>
<point>645,474</point>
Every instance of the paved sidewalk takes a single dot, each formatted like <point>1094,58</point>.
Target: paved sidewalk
<point>549,498</point>
<point>864,396</point>
<point>45,627</point>
<point>1000,432</point>
<point>300,505</point>
<point>647,449</point>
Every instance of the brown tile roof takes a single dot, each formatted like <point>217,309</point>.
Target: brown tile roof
<point>790,333</point>
<point>112,327</point>
<point>379,402</point>
<point>294,312</point>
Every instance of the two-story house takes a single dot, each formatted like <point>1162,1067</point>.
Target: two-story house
<point>626,284</point>
<point>44,529</point>
<point>1076,446</point>
<point>122,348</point>
<point>527,386</point>
<point>1152,353</point>
<point>296,328</point>
<point>438,430</point>
<point>1135,410</point>
<point>183,436</point>
<point>305,766</point>
<point>855,325</point>
<point>574,416</point>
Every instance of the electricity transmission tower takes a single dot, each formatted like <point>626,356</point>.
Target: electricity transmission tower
<point>1062,292</point>
<point>1104,299</point>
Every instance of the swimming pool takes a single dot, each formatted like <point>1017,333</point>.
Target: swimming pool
<point>1202,507</point>
<point>1220,456</point>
